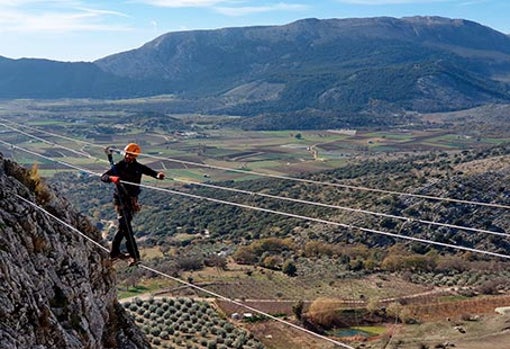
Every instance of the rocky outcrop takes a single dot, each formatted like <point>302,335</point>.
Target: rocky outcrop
<point>57,289</point>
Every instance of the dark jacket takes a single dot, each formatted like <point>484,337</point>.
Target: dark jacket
<point>129,172</point>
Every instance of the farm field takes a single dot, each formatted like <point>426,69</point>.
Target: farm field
<point>488,327</point>
<point>75,143</point>
<point>198,155</point>
<point>277,294</point>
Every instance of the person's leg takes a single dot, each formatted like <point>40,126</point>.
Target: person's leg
<point>129,235</point>
<point>121,234</point>
<point>115,249</point>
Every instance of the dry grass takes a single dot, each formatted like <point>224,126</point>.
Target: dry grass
<point>490,331</point>
<point>276,335</point>
<point>485,165</point>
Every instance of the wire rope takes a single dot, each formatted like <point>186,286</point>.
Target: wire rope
<point>302,217</point>
<point>44,140</point>
<point>338,185</point>
<point>214,294</point>
<point>350,209</point>
<point>324,221</point>
<point>300,201</point>
<point>303,180</point>
<point>267,211</point>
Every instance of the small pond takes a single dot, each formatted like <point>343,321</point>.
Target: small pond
<point>351,332</point>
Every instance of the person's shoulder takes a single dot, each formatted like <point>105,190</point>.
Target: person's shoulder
<point>145,168</point>
<point>139,164</point>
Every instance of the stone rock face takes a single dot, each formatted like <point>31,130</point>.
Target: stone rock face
<point>57,289</point>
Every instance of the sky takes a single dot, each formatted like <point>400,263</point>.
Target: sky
<point>86,30</point>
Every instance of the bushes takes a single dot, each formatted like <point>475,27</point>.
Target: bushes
<point>323,312</point>
<point>41,190</point>
<point>289,268</point>
<point>262,251</point>
<point>320,248</point>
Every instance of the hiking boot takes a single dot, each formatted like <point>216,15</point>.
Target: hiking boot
<point>133,262</point>
<point>117,256</point>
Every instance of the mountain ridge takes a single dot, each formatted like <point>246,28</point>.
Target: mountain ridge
<point>341,68</point>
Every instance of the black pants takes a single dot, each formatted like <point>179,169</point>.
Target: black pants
<point>125,216</point>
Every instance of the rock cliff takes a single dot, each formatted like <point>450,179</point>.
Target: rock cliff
<point>57,289</point>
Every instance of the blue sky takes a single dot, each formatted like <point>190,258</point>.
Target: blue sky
<point>79,30</point>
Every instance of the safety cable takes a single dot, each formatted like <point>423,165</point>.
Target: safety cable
<point>406,219</point>
<point>338,185</point>
<point>46,132</point>
<point>252,309</point>
<point>45,141</point>
<point>319,220</point>
<point>214,294</point>
<point>309,181</point>
<point>292,215</point>
<point>48,158</point>
<point>350,209</point>
<point>61,222</point>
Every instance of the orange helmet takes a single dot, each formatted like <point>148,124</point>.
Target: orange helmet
<point>133,149</point>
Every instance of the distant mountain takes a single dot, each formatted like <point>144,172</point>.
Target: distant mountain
<point>39,78</point>
<point>337,70</point>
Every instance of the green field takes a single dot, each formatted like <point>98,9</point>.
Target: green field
<point>275,152</point>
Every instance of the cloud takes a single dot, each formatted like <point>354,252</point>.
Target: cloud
<point>25,16</point>
<point>36,3</point>
<point>247,10</point>
<point>185,3</point>
<point>19,3</point>
<point>388,2</point>
<point>474,2</point>
<point>226,7</point>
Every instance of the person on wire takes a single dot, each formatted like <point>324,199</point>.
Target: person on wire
<point>125,199</point>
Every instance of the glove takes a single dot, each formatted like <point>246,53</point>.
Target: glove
<point>115,179</point>
<point>160,175</point>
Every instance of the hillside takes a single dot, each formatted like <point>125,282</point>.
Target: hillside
<point>307,74</point>
<point>272,262</point>
<point>44,79</point>
<point>477,175</point>
<point>57,290</point>
<point>337,64</point>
